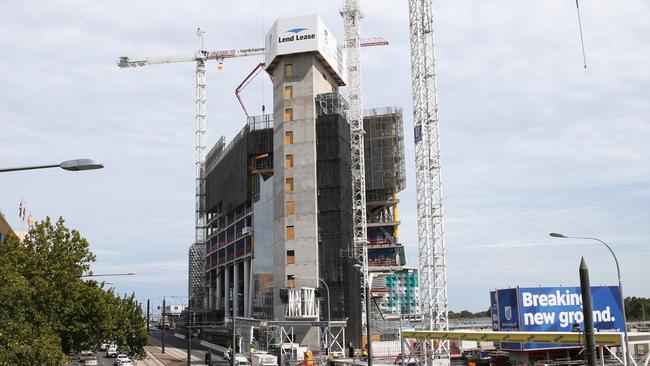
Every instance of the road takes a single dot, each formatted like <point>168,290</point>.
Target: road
<point>198,351</point>
<point>102,360</point>
<point>171,341</point>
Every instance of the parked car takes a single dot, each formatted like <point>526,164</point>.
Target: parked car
<point>126,363</point>
<point>90,361</point>
<point>103,346</point>
<point>111,351</point>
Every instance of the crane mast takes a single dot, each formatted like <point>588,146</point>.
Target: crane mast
<point>351,14</point>
<point>197,249</point>
<point>431,247</point>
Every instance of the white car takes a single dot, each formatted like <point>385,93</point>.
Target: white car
<point>90,361</point>
<point>121,358</point>
<point>126,363</point>
<point>111,350</point>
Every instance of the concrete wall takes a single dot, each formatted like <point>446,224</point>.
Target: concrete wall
<point>307,81</point>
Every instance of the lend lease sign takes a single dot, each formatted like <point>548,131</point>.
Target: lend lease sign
<point>296,35</point>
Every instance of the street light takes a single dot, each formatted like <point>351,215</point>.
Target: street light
<point>109,274</point>
<point>620,287</point>
<point>329,315</point>
<point>72,165</point>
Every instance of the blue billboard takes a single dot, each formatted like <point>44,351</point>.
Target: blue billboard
<point>554,309</point>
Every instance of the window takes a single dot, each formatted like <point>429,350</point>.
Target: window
<point>288,161</point>
<point>288,138</point>
<point>288,92</point>
<point>288,185</point>
<point>288,70</point>
<point>291,281</point>
<point>290,233</point>
<point>291,257</point>
<point>288,115</point>
<point>289,208</point>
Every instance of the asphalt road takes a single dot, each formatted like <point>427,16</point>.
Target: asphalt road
<point>155,338</point>
<point>102,360</point>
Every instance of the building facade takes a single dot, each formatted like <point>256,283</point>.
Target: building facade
<point>279,200</point>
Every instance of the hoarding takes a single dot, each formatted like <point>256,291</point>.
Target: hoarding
<point>554,309</point>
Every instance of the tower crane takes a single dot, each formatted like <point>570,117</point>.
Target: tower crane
<point>351,14</point>
<point>197,250</point>
<point>431,247</point>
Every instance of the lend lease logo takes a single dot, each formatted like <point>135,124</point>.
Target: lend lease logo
<point>296,36</point>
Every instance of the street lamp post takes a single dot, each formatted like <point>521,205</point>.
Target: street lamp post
<point>620,288</point>
<point>329,306</point>
<point>72,165</point>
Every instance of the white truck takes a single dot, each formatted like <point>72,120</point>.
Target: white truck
<point>242,361</point>
<point>263,359</point>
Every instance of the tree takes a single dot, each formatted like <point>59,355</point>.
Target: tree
<point>48,311</point>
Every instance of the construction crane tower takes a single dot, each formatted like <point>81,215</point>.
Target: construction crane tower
<point>431,247</point>
<point>351,14</point>
<point>196,273</point>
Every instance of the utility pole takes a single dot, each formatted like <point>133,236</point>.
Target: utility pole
<point>163,326</point>
<point>234,347</point>
<point>148,304</point>
<point>189,332</point>
<point>588,312</point>
<point>368,324</point>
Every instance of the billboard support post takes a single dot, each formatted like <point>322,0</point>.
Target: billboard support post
<point>588,311</point>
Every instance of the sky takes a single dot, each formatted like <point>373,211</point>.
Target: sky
<point>532,142</point>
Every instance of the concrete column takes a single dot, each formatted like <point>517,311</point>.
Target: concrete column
<point>246,287</point>
<point>251,288</point>
<point>226,289</point>
<point>235,288</point>
<point>219,290</point>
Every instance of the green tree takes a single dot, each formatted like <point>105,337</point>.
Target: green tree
<point>47,310</point>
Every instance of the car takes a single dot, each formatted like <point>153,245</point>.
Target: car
<point>111,350</point>
<point>103,346</point>
<point>226,354</point>
<point>121,358</point>
<point>84,354</point>
<point>90,361</point>
<point>126,363</point>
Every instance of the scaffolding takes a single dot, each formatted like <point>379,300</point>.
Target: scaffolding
<point>385,163</point>
<point>331,103</point>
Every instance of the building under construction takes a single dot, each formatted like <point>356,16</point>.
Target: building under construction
<point>279,202</point>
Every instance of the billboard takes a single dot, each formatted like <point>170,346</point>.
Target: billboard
<point>553,309</point>
<point>304,34</point>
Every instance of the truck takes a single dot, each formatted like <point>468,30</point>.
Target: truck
<point>242,361</point>
<point>263,359</point>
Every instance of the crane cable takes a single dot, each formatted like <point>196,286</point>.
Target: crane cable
<point>582,42</point>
